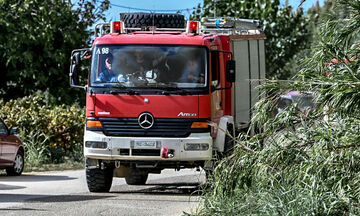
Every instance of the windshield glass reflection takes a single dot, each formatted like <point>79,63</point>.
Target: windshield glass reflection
<point>149,66</point>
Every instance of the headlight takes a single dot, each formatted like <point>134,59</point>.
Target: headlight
<point>196,146</point>
<point>94,144</point>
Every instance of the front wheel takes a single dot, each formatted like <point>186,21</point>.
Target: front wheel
<point>229,143</point>
<point>99,180</point>
<point>18,165</point>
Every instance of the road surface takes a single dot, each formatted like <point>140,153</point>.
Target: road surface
<point>66,193</point>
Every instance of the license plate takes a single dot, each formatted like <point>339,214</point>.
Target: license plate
<point>145,144</point>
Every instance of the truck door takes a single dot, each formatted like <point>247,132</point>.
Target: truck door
<point>216,95</point>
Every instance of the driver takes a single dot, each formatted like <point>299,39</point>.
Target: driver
<point>108,74</point>
<point>141,63</point>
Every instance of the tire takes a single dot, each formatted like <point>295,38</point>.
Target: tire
<point>99,180</point>
<point>136,178</point>
<point>18,165</point>
<point>208,174</point>
<point>160,20</point>
<point>229,142</point>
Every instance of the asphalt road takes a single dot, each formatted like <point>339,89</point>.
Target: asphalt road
<point>66,193</point>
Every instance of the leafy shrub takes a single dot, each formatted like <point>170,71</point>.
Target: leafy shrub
<point>36,145</point>
<point>50,133</point>
<point>301,163</point>
<point>310,169</point>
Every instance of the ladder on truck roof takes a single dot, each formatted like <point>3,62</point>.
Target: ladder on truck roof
<point>221,25</point>
<point>230,26</point>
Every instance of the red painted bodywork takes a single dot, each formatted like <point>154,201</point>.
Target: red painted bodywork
<point>9,146</point>
<point>157,38</point>
<point>161,106</point>
<point>164,106</point>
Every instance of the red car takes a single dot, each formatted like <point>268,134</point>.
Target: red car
<point>11,151</point>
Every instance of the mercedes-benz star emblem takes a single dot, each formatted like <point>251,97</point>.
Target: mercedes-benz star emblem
<point>146,120</point>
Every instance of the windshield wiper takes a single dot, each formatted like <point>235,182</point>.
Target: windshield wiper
<point>124,91</point>
<point>175,91</point>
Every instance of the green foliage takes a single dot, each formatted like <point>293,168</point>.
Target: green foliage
<point>306,165</point>
<point>51,134</point>
<point>286,30</point>
<point>37,148</point>
<point>302,163</point>
<point>36,40</point>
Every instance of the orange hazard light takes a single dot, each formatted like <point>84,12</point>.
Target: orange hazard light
<point>93,124</point>
<point>199,125</point>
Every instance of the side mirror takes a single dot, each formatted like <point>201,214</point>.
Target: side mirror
<point>14,131</point>
<point>76,57</point>
<point>74,76</point>
<point>230,71</point>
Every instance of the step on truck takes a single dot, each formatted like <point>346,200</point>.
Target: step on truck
<point>164,93</point>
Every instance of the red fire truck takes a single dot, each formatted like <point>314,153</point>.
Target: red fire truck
<point>163,96</point>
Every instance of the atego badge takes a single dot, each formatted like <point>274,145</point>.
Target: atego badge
<point>186,114</point>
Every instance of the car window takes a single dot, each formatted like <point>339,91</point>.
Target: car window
<point>305,102</point>
<point>283,103</point>
<point>3,128</point>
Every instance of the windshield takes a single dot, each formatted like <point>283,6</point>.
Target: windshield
<point>304,102</point>
<point>149,66</point>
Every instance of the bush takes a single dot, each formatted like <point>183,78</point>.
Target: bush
<point>51,134</point>
<point>303,163</point>
<point>310,169</point>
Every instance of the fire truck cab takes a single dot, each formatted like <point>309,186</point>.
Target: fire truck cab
<point>163,96</point>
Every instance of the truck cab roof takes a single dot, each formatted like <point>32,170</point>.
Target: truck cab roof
<point>153,38</point>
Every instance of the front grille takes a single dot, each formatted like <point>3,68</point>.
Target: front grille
<point>124,152</point>
<point>162,127</point>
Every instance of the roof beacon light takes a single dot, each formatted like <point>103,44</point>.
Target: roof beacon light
<point>193,27</point>
<point>117,27</point>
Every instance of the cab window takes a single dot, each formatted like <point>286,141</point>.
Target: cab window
<point>3,128</point>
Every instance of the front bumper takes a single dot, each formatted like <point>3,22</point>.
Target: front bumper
<point>122,148</point>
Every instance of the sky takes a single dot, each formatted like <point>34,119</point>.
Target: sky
<point>186,6</point>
